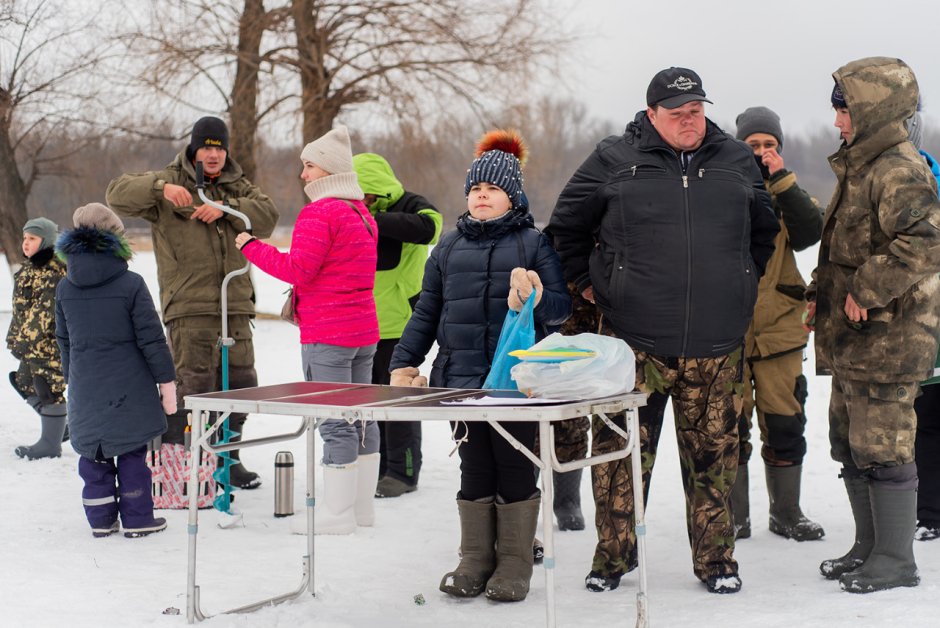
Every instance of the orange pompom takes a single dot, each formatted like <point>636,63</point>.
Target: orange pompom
<point>507,140</point>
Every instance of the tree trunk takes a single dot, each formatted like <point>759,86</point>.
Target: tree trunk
<point>318,109</point>
<point>13,195</point>
<point>243,111</point>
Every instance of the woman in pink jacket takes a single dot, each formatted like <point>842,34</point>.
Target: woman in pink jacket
<point>331,266</point>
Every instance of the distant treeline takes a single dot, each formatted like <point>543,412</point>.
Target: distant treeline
<point>433,164</point>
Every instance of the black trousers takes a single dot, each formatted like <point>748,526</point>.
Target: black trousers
<point>400,441</point>
<point>927,455</point>
<point>490,466</point>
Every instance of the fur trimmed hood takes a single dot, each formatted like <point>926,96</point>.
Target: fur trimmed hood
<point>93,256</point>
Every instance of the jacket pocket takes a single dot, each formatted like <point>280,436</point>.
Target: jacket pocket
<point>850,244</point>
<point>438,376</point>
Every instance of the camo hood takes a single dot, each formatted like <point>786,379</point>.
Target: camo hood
<point>881,94</point>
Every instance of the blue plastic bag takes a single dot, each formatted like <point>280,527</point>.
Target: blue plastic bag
<point>518,332</point>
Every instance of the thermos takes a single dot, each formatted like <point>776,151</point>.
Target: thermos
<point>283,484</point>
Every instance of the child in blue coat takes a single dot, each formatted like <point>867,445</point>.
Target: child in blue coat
<point>114,357</point>
<point>495,260</point>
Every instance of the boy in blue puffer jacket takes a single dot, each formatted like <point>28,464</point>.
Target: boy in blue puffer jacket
<point>114,356</point>
<point>495,260</point>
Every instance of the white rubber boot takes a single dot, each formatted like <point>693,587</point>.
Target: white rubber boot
<point>365,490</point>
<point>334,513</point>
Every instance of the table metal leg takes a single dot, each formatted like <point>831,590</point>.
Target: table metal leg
<point>639,519</point>
<point>548,529</point>
<point>195,459</point>
<point>309,561</point>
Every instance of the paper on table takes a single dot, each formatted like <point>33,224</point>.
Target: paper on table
<point>487,400</point>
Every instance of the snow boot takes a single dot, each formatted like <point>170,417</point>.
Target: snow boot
<point>856,485</point>
<point>723,585</point>
<point>891,561</point>
<point>393,487</point>
<point>567,503</point>
<point>597,582</point>
<point>515,529</point>
<point>786,517</point>
<point>477,548</point>
<point>106,531</point>
<point>335,513</point>
<point>239,476</point>
<point>368,475</point>
<point>741,504</point>
<point>49,445</point>
<point>927,531</point>
<point>538,551</point>
<point>157,525</point>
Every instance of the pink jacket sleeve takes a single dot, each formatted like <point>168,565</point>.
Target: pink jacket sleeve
<point>310,243</point>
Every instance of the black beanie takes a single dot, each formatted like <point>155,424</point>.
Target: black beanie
<point>759,120</point>
<point>208,131</point>
<point>838,97</point>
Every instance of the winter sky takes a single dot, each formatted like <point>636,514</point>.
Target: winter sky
<point>777,54</point>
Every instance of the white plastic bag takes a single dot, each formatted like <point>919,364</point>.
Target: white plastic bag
<point>612,371</point>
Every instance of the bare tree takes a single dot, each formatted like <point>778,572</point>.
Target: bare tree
<point>408,60</point>
<point>46,56</point>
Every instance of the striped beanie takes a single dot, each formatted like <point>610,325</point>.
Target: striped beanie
<point>500,155</point>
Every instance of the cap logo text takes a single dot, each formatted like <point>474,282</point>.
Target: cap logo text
<point>211,142</point>
<point>682,83</point>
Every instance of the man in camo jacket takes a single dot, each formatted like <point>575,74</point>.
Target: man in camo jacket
<point>875,301</point>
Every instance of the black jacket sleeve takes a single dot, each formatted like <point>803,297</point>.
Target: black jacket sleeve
<point>412,228</point>
<point>421,331</point>
<point>764,223</point>
<point>577,216</point>
<point>800,213</point>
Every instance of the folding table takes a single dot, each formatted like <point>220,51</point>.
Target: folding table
<point>313,401</point>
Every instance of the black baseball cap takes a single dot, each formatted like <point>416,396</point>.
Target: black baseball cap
<point>673,87</point>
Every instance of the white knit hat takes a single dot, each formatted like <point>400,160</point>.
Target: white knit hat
<point>332,152</point>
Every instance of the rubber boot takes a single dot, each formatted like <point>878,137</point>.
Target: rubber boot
<point>335,513</point>
<point>567,503</point>
<point>239,476</point>
<point>515,529</point>
<point>49,445</point>
<point>891,562</point>
<point>365,489</point>
<point>786,517</point>
<point>477,548</point>
<point>741,504</point>
<point>856,485</point>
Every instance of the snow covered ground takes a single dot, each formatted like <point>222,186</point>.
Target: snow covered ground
<point>52,572</point>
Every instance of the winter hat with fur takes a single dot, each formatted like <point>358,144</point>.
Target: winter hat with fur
<point>759,120</point>
<point>97,216</point>
<point>500,156</point>
<point>332,151</point>
<point>45,229</point>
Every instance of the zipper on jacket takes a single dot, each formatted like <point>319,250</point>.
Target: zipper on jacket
<point>688,266</point>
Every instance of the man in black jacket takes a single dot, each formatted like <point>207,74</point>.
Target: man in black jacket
<point>668,228</point>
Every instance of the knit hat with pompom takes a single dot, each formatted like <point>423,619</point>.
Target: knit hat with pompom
<point>500,156</point>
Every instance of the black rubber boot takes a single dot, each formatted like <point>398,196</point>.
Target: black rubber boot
<point>740,504</point>
<point>786,517</point>
<point>477,549</point>
<point>49,444</point>
<point>515,530</point>
<point>891,562</point>
<point>239,476</point>
<point>567,502</point>
<point>856,485</point>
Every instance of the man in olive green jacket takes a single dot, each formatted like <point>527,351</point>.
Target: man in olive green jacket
<point>773,347</point>
<point>875,304</point>
<point>194,245</point>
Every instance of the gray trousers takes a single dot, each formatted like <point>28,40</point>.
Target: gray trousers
<point>343,442</point>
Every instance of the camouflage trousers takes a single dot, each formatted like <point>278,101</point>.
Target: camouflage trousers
<point>29,370</point>
<point>706,399</point>
<point>871,424</point>
<point>776,389</point>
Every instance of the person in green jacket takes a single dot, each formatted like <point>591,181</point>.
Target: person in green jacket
<point>194,245</point>
<point>408,224</point>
